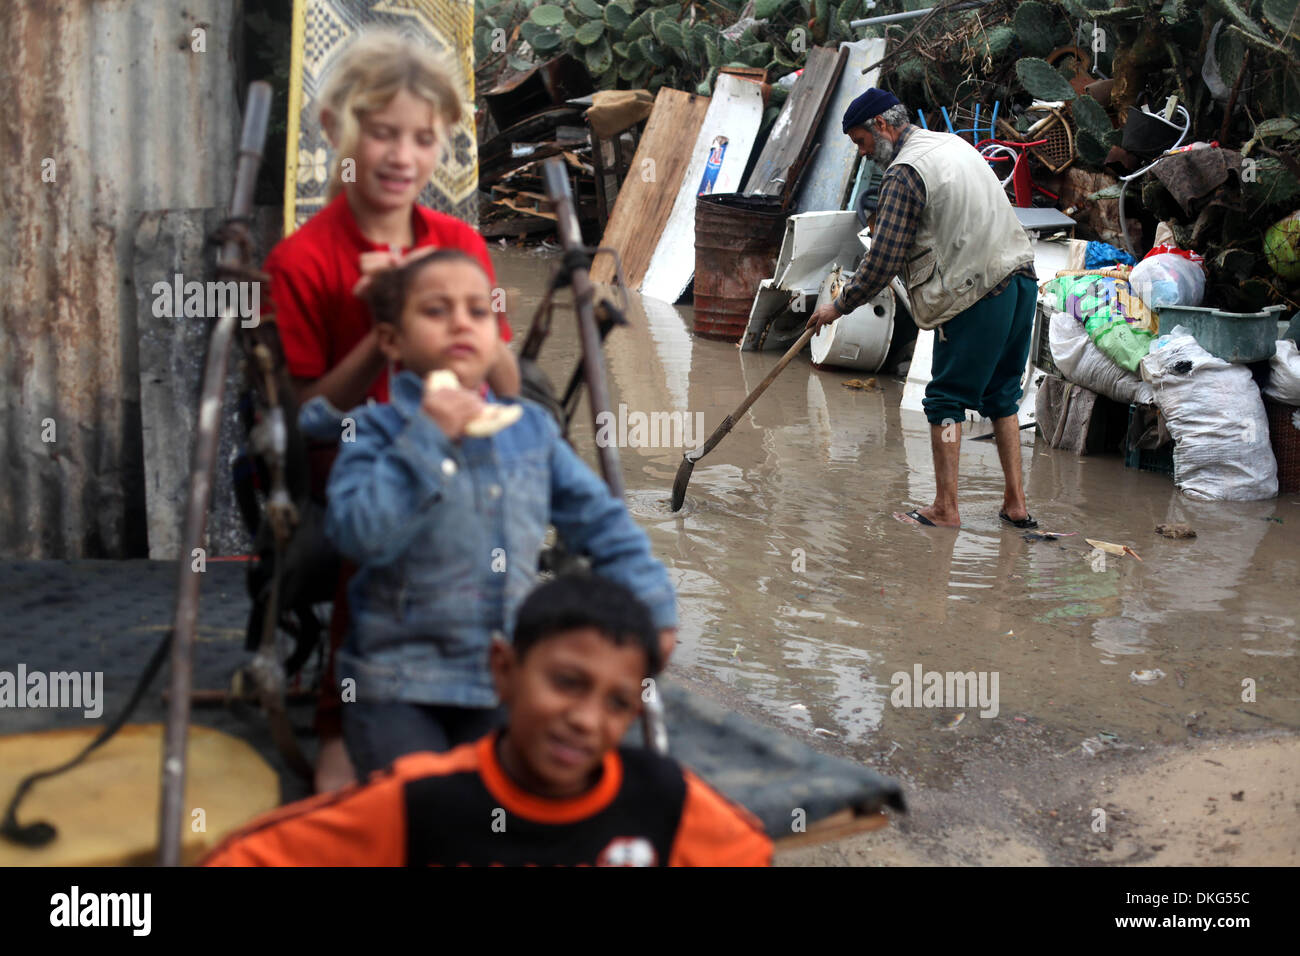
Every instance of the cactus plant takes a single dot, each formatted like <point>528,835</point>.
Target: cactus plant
<point>1282,15</point>
<point>1090,116</point>
<point>590,32</point>
<point>1090,148</point>
<point>547,15</point>
<point>996,41</point>
<point>1041,81</point>
<point>617,17</point>
<point>1036,28</point>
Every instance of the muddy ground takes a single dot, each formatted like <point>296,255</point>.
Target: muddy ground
<point>1152,690</point>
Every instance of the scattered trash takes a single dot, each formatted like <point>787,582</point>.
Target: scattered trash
<point>1146,677</point>
<point>897,746</point>
<point>824,732</point>
<point>955,722</point>
<point>798,707</point>
<point>1273,518</point>
<point>1239,795</point>
<point>1103,741</point>
<point>1020,720</point>
<point>1009,634</point>
<point>1175,530</point>
<point>870,385</point>
<point>1119,550</point>
<point>1181,678</point>
<point>1047,535</point>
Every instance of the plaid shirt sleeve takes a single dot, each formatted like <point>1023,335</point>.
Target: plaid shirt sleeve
<point>902,197</point>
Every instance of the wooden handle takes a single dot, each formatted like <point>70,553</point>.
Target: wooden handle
<point>730,421</point>
<point>771,376</point>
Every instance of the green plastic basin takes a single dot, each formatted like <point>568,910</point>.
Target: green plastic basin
<point>1232,336</point>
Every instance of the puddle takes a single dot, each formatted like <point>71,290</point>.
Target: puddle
<point>797,586</point>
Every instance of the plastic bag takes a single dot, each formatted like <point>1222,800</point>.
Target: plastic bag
<point>1168,279</point>
<point>1100,255</point>
<point>1098,300</point>
<point>1215,414</point>
<point>1084,364</point>
<point>1284,374</point>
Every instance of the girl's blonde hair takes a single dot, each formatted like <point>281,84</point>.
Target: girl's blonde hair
<point>374,68</point>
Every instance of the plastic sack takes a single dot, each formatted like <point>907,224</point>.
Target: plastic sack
<point>1084,364</point>
<point>1284,374</point>
<point>1216,416</point>
<point>1168,279</point>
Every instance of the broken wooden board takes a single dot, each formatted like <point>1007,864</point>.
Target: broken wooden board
<point>646,198</point>
<point>717,162</point>
<point>826,185</point>
<point>796,126</point>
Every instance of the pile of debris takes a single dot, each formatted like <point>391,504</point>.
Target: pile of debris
<point>1113,87</point>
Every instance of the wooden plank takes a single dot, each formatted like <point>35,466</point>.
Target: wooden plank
<point>524,225</point>
<point>827,183</point>
<point>835,827</point>
<point>647,195</point>
<point>730,126</point>
<point>796,125</point>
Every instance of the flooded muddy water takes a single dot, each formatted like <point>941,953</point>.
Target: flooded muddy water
<point>801,596</point>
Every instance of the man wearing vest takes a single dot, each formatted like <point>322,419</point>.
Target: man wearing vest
<point>946,226</point>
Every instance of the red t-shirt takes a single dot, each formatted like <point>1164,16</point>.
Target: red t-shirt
<point>314,270</point>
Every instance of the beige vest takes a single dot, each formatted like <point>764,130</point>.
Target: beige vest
<point>968,239</point>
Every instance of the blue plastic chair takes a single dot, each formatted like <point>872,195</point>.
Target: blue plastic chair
<point>978,132</point>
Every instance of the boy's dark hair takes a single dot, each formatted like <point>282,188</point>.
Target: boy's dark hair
<point>573,601</point>
<point>387,291</point>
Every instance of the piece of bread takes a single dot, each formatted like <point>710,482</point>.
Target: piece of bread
<point>494,418</point>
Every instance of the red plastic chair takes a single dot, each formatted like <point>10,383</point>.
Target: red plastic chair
<point>1022,184</point>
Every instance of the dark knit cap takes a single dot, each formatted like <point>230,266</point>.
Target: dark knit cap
<point>867,107</point>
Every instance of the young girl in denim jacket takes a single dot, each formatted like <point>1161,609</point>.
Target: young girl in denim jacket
<point>447,529</point>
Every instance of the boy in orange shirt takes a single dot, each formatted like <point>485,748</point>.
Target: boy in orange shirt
<point>553,788</point>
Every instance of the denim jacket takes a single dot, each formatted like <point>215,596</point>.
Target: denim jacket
<point>447,536</point>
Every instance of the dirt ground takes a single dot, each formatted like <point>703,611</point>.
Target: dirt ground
<point>1229,803</point>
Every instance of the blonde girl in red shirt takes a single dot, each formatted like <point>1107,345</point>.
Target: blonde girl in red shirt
<point>387,108</point>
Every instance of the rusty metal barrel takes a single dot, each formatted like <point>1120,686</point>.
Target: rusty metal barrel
<point>737,240</point>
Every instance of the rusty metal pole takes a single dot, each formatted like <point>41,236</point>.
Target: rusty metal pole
<point>653,724</point>
<point>593,363</point>
<point>172,810</point>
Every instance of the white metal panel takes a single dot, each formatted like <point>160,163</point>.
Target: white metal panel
<point>735,112</point>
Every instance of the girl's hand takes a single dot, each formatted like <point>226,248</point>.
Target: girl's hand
<point>451,407</point>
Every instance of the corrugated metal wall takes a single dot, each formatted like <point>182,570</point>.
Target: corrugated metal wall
<point>133,119</point>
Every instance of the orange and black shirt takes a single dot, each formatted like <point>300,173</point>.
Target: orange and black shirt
<point>460,809</point>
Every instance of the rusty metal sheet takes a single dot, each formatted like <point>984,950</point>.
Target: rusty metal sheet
<point>111,109</point>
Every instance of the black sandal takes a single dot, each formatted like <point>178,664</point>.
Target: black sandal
<point>1022,523</point>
